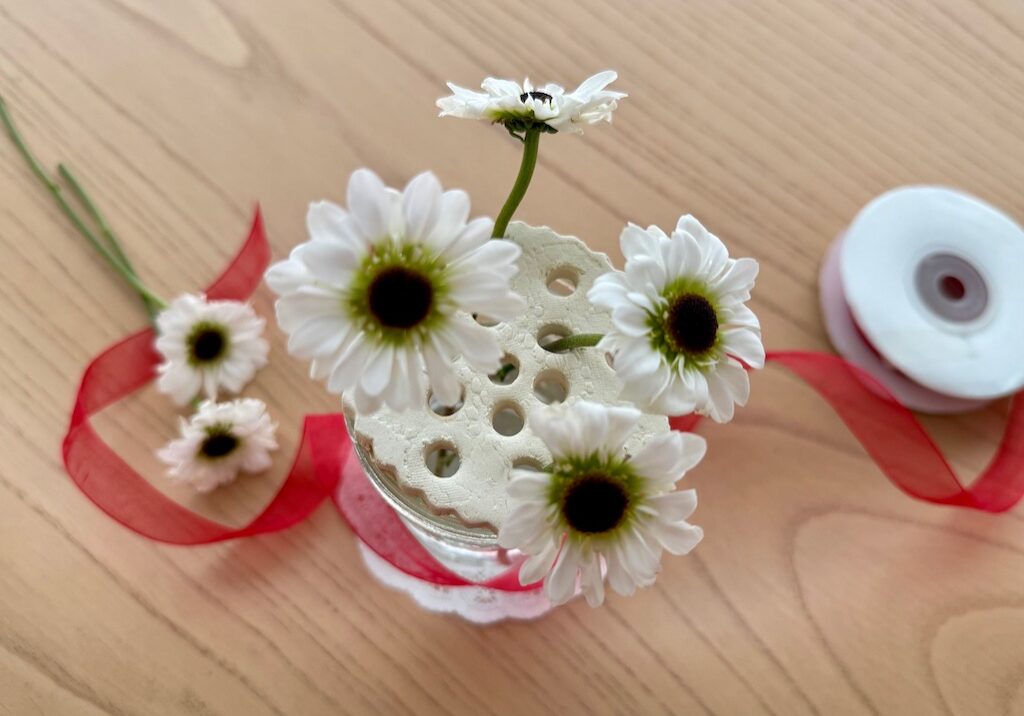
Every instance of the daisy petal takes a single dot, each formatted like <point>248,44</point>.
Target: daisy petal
<point>421,202</point>
<point>592,581</point>
<point>560,586</point>
<point>379,370</point>
<point>520,526</point>
<point>745,344</point>
<point>537,565</point>
<point>675,506</point>
<point>668,456</point>
<point>677,538</point>
<point>476,344</point>
<point>369,204</point>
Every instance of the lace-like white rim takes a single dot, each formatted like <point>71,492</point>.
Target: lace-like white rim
<point>474,604</point>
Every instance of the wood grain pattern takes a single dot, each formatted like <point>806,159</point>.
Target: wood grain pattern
<point>819,589</point>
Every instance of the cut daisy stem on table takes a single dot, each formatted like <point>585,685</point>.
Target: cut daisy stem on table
<point>152,304</point>
<point>205,346</point>
<point>109,247</point>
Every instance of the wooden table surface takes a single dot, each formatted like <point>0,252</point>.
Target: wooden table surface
<point>819,589</point>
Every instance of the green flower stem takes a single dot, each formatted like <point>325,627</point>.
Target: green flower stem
<point>113,244</point>
<point>148,298</point>
<point>152,307</point>
<point>580,340</point>
<point>531,142</point>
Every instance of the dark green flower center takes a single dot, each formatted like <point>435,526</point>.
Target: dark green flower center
<point>692,324</point>
<point>542,96</point>
<point>400,298</point>
<point>218,444</point>
<point>207,343</point>
<point>595,503</point>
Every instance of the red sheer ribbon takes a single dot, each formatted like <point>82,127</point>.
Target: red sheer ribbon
<point>126,496</point>
<point>326,465</point>
<point>380,528</point>
<point>899,444</point>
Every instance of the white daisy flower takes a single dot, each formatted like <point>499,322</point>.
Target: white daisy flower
<point>597,511</point>
<point>220,440</point>
<point>680,321</point>
<point>208,345</point>
<point>384,291</point>
<point>521,107</point>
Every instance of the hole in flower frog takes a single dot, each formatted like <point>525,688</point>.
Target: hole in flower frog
<point>508,419</point>
<point>551,333</point>
<point>485,321</point>
<point>527,463</point>
<point>443,410</point>
<point>551,386</point>
<point>508,372</point>
<point>563,281</point>
<point>442,458</point>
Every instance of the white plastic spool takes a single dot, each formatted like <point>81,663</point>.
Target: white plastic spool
<point>923,291</point>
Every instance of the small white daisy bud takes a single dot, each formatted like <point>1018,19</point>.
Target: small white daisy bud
<point>219,441</point>
<point>208,346</point>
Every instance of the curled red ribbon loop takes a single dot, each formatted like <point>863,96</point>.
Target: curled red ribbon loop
<point>127,497</point>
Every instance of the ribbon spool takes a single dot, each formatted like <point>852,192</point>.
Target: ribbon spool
<point>923,291</point>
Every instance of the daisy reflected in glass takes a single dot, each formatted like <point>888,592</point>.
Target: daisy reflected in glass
<point>206,346</point>
<point>219,441</point>
<point>681,326</point>
<point>380,298</point>
<point>595,510</point>
<point>520,107</point>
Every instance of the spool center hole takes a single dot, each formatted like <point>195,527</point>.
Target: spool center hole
<point>952,287</point>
